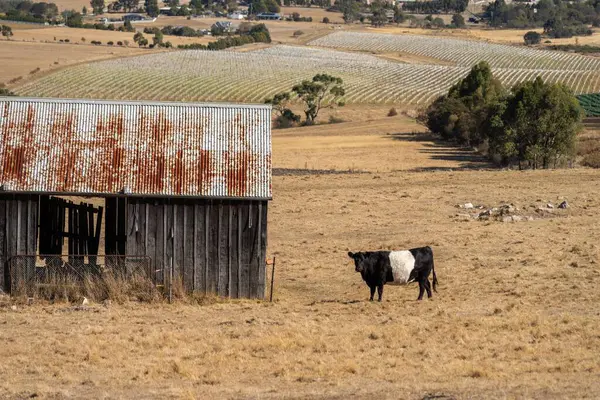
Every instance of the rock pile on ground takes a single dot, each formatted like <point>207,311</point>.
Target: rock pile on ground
<point>508,212</point>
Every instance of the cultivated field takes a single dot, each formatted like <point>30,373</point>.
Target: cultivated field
<point>252,76</point>
<point>515,317</point>
<point>464,53</point>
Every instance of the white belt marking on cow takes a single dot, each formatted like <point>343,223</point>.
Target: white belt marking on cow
<point>402,263</point>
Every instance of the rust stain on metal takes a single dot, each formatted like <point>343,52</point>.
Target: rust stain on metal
<point>149,148</point>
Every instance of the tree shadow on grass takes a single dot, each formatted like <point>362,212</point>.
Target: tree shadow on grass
<point>437,149</point>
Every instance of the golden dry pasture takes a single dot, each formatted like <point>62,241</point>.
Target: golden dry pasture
<point>515,315</point>
<point>22,59</point>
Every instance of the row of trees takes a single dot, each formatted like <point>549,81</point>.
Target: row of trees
<point>533,124</point>
<point>557,17</point>
<point>28,11</point>
<point>248,33</point>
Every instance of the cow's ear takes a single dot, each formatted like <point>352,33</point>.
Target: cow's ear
<point>350,254</point>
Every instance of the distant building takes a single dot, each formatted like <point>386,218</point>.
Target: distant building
<point>236,15</point>
<point>224,26</point>
<point>268,16</point>
<point>133,17</point>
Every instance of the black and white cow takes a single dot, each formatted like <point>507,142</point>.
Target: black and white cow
<point>396,268</point>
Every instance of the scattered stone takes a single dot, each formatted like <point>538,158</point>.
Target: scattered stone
<point>507,218</point>
<point>563,205</point>
<point>107,303</point>
<point>517,218</point>
<point>13,307</point>
<point>29,301</point>
<point>463,217</point>
<point>85,301</point>
<point>549,205</point>
<point>468,206</point>
<point>542,210</point>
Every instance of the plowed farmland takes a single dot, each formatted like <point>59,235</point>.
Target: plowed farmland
<point>252,76</point>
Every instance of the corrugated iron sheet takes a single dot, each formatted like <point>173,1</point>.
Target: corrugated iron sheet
<point>138,148</point>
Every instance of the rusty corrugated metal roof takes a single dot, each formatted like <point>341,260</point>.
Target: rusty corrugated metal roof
<point>140,148</point>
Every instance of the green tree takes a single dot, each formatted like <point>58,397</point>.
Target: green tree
<point>349,9</point>
<point>127,5</point>
<point>540,124</point>
<point>72,18</point>
<point>314,93</point>
<point>158,38</point>
<point>461,115</point>
<point>138,37</point>
<point>151,7</point>
<point>84,10</point>
<point>379,17</point>
<point>183,11</point>
<point>532,37</point>
<point>399,16</point>
<point>97,6</point>
<point>458,21</point>
<point>6,31</point>
<point>272,6</point>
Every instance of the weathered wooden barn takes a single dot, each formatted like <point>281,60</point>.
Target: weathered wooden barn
<point>184,184</point>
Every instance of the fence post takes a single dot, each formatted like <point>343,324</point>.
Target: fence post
<point>272,281</point>
<point>171,282</point>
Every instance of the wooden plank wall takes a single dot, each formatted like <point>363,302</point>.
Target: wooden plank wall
<point>115,226</point>
<point>217,246</point>
<point>18,230</point>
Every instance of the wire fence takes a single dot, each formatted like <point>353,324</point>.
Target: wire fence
<point>51,275</point>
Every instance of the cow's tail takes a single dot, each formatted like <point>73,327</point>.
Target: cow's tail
<point>435,281</point>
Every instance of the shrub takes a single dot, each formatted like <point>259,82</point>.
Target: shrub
<point>6,92</point>
<point>532,37</point>
<point>287,120</point>
<point>67,40</point>
<point>325,20</point>
<point>392,112</point>
<point>591,160</point>
<point>83,39</point>
<point>110,43</point>
<point>119,43</point>
<point>298,33</point>
<point>335,120</point>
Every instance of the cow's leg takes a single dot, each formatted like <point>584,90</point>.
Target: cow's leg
<point>372,292</point>
<point>380,291</point>
<point>428,288</point>
<point>421,289</point>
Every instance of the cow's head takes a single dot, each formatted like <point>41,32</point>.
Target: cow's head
<point>359,260</point>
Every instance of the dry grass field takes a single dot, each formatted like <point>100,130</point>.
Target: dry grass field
<point>75,36</point>
<point>20,59</point>
<point>505,36</point>
<point>516,315</point>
